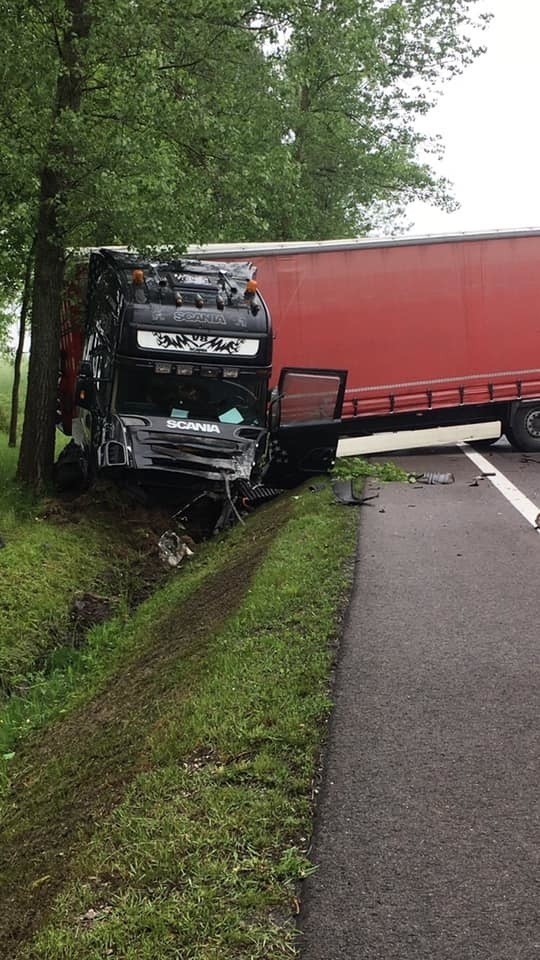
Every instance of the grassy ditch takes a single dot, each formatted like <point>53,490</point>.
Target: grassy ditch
<point>49,556</point>
<point>161,807</point>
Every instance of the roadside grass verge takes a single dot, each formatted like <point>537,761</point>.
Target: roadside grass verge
<point>166,813</point>
<point>44,563</point>
<point>358,468</point>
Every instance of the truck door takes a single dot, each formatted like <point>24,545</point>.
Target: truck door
<point>305,422</point>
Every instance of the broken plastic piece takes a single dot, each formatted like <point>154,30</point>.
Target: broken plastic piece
<point>172,549</point>
<point>481,476</point>
<point>431,478</point>
<point>343,492</point>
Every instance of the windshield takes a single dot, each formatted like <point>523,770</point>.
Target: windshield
<point>144,391</point>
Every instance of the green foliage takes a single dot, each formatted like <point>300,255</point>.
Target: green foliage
<point>355,468</point>
<point>7,319</point>
<point>135,123</point>
<point>210,125</point>
<point>5,394</point>
<point>6,386</point>
<point>354,78</point>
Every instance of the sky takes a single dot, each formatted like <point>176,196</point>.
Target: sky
<point>489,120</point>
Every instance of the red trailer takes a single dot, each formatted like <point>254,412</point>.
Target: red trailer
<point>433,331</point>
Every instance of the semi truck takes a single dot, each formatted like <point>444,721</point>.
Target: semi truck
<point>243,368</point>
<point>166,383</point>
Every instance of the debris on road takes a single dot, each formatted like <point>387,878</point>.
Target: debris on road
<point>481,476</point>
<point>431,478</point>
<point>344,493</point>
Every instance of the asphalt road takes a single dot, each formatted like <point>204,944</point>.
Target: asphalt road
<point>427,833</point>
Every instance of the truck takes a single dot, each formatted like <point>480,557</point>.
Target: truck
<point>244,368</point>
<point>165,385</point>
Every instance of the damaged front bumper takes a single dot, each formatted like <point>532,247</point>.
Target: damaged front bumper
<point>185,452</point>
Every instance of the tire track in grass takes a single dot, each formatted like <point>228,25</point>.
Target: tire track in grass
<point>81,768</point>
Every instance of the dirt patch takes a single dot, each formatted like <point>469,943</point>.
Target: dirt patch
<point>105,501</point>
<point>89,609</point>
<point>71,779</point>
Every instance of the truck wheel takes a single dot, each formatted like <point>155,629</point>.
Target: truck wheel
<point>523,431</point>
<point>71,469</point>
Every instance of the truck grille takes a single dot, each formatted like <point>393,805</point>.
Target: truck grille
<point>206,455</point>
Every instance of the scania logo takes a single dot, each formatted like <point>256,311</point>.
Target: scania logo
<point>193,425</point>
<point>184,316</point>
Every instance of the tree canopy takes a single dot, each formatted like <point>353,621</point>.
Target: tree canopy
<point>146,123</point>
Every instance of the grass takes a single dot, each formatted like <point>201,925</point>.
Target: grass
<point>156,781</point>
<point>357,468</point>
<point>44,563</point>
<point>162,806</point>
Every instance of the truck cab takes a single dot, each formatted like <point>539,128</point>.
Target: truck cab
<point>173,388</point>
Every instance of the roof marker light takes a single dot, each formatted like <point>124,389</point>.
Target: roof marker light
<point>251,290</point>
<point>138,277</point>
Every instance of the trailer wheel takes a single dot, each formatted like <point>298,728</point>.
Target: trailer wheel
<point>523,430</point>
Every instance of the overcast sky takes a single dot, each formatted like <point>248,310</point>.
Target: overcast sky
<point>489,119</point>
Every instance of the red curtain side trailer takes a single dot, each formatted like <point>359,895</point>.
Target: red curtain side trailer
<point>434,331</point>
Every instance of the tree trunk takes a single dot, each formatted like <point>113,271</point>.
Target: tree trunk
<point>36,458</point>
<point>27,292</point>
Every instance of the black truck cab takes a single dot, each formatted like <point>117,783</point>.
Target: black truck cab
<point>173,387</point>
<point>175,371</point>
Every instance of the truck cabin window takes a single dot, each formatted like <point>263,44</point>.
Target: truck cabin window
<point>145,392</point>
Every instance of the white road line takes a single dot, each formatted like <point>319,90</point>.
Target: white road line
<point>519,501</point>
